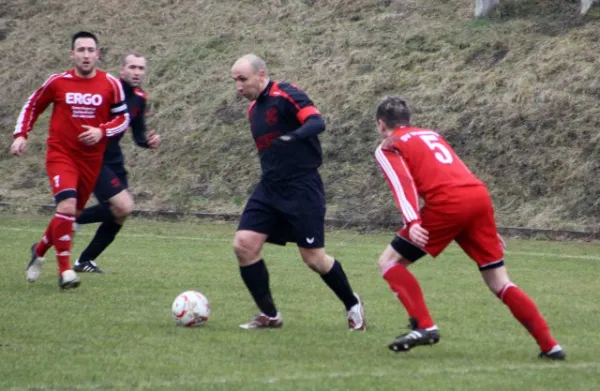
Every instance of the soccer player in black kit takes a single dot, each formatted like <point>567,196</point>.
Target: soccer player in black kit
<point>288,204</point>
<point>115,202</point>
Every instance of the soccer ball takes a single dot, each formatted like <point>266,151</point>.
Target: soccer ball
<point>190,309</point>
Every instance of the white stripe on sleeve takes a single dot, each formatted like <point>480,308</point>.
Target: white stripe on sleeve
<point>119,109</point>
<point>30,104</point>
<point>407,210</point>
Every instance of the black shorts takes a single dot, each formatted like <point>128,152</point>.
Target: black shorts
<point>407,249</point>
<point>111,181</point>
<point>288,212</point>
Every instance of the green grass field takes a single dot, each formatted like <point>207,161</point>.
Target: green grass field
<point>115,332</point>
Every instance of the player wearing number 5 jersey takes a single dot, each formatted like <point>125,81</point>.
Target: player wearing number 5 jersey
<point>88,107</point>
<point>419,163</point>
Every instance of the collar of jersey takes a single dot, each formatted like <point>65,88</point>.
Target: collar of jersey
<point>75,77</point>
<point>265,92</point>
<point>126,86</point>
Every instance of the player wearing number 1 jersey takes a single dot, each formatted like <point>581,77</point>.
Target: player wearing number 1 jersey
<point>419,163</point>
<point>88,107</point>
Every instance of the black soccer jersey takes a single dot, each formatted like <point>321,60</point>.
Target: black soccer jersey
<point>280,109</point>
<point>136,105</point>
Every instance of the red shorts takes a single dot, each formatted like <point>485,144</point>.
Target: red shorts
<point>72,176</point>
<point>470,222</point>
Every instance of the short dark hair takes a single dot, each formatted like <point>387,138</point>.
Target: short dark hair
<point>394,111</point>
<point>127,54</point>
<point>83,34</point>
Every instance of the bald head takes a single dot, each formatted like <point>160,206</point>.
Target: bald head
<point>250,75</point>
<point>253,61</point>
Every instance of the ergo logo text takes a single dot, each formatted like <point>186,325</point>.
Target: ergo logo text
<point>77,98</point>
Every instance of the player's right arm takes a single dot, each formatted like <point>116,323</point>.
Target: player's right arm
<point>401,183</point>
<point>35,105</point>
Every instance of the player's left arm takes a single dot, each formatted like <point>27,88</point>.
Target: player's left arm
<point>298,104</point>
<point>142,137</point>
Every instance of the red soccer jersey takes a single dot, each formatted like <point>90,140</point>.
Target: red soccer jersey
<point>98,101</point>
<point>421,163</point>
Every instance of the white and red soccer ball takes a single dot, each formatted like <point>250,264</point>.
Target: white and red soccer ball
<point>190,309</point>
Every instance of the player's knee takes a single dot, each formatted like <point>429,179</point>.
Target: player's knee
<point>496,279</point>
<point>389,258</point>
<point>317,260</point>
<point>245,247</point>
<point>497,286</point>
<point>385,263</point>
<point>383,260</point>
<point>123,208</point>
<point>314,264</point>
<point>68,206</point>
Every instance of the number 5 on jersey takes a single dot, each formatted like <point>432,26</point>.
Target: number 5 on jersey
<point>56,179</point>
<point>442,154</point>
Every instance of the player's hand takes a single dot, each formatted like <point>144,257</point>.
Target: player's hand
<point>91,135</point>
<point>285,139</point>
<point>502,242</point>
<point>418,235</point>
<point>153,140</point>
<point>18,146</point>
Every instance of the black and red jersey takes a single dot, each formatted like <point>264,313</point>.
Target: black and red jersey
<point>136,106</point>
<point>280,109</point>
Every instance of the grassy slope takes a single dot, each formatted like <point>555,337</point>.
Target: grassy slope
<point>516,94</point>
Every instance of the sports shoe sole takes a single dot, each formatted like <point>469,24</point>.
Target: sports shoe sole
<point>34,267</point>
<point>362,315</point>
<point>70,285</point>
<point>557,356</point>
<point>405,347</point>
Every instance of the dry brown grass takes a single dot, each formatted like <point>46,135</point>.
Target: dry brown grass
<point>516,94</point>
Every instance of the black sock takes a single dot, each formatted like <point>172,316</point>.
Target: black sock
<point>104,236</point>
<point>256,278</point>
<point>338,282</point>
<point>95,214</point>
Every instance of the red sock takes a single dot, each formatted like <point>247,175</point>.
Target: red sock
<point>407,289</point>
<point>45,243</point>
<point>526,312</point>
<point>62,234</point>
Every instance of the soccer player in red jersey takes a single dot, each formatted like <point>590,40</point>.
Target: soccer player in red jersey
<point>88,107</point>
<point>115,202</point>
<point>457,206</point>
